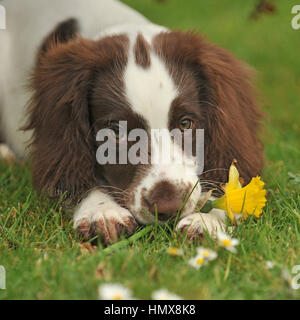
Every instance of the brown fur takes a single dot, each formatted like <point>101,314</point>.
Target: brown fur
<point>62,148</point>
<point>142,52</point>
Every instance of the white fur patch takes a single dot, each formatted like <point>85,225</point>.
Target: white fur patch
<point>197,223</point>
<point>150,91</point>
<point>99,206</point>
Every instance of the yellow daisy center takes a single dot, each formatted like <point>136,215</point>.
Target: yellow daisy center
<point>205,253</point>
<point>117,297</point>
<point>226,242</point>
<point>199,260</point>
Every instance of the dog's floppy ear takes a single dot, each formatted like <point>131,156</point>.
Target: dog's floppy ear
<point>62,148</point>
<point>229,104</point>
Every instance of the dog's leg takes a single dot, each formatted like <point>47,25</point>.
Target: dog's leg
<point>194,224</point>
<point>99,214</point>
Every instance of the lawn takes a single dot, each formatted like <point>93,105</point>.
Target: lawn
<point>42,254</point>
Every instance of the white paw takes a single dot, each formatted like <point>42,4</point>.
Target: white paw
<point>6,153</point>
<point>107,219</point>
<point>196,223</point>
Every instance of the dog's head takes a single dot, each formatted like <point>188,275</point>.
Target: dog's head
<point>175,80</point>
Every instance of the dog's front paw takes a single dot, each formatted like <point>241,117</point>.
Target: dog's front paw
<point>6,153</point>
<point>195,224</point>
<point>108,221</point>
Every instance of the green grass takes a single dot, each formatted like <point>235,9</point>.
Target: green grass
<point>40,250</point>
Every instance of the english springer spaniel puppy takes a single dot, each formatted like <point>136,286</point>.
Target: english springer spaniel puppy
<point>95,63</point>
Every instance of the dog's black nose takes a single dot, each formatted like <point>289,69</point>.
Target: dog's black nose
<point>164,199</point>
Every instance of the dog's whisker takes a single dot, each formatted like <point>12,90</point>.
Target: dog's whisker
<point>211,184</point>
<point>213,187</point>
<point>210,170</point>
<point>112,187</point>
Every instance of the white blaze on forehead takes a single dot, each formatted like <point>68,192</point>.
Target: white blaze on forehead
<point>150,91</point>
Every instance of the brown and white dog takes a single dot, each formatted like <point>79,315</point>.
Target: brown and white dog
<point>97,62</point>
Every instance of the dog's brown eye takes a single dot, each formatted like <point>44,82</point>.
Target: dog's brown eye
<point>185,124</point>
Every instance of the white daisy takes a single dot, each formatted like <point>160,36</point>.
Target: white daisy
<point>269,264</point>
<point>164,294</point>
<point>227,242</point>
<point>198,261</point>
<point>114,291</point>
<point>207,254</point>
